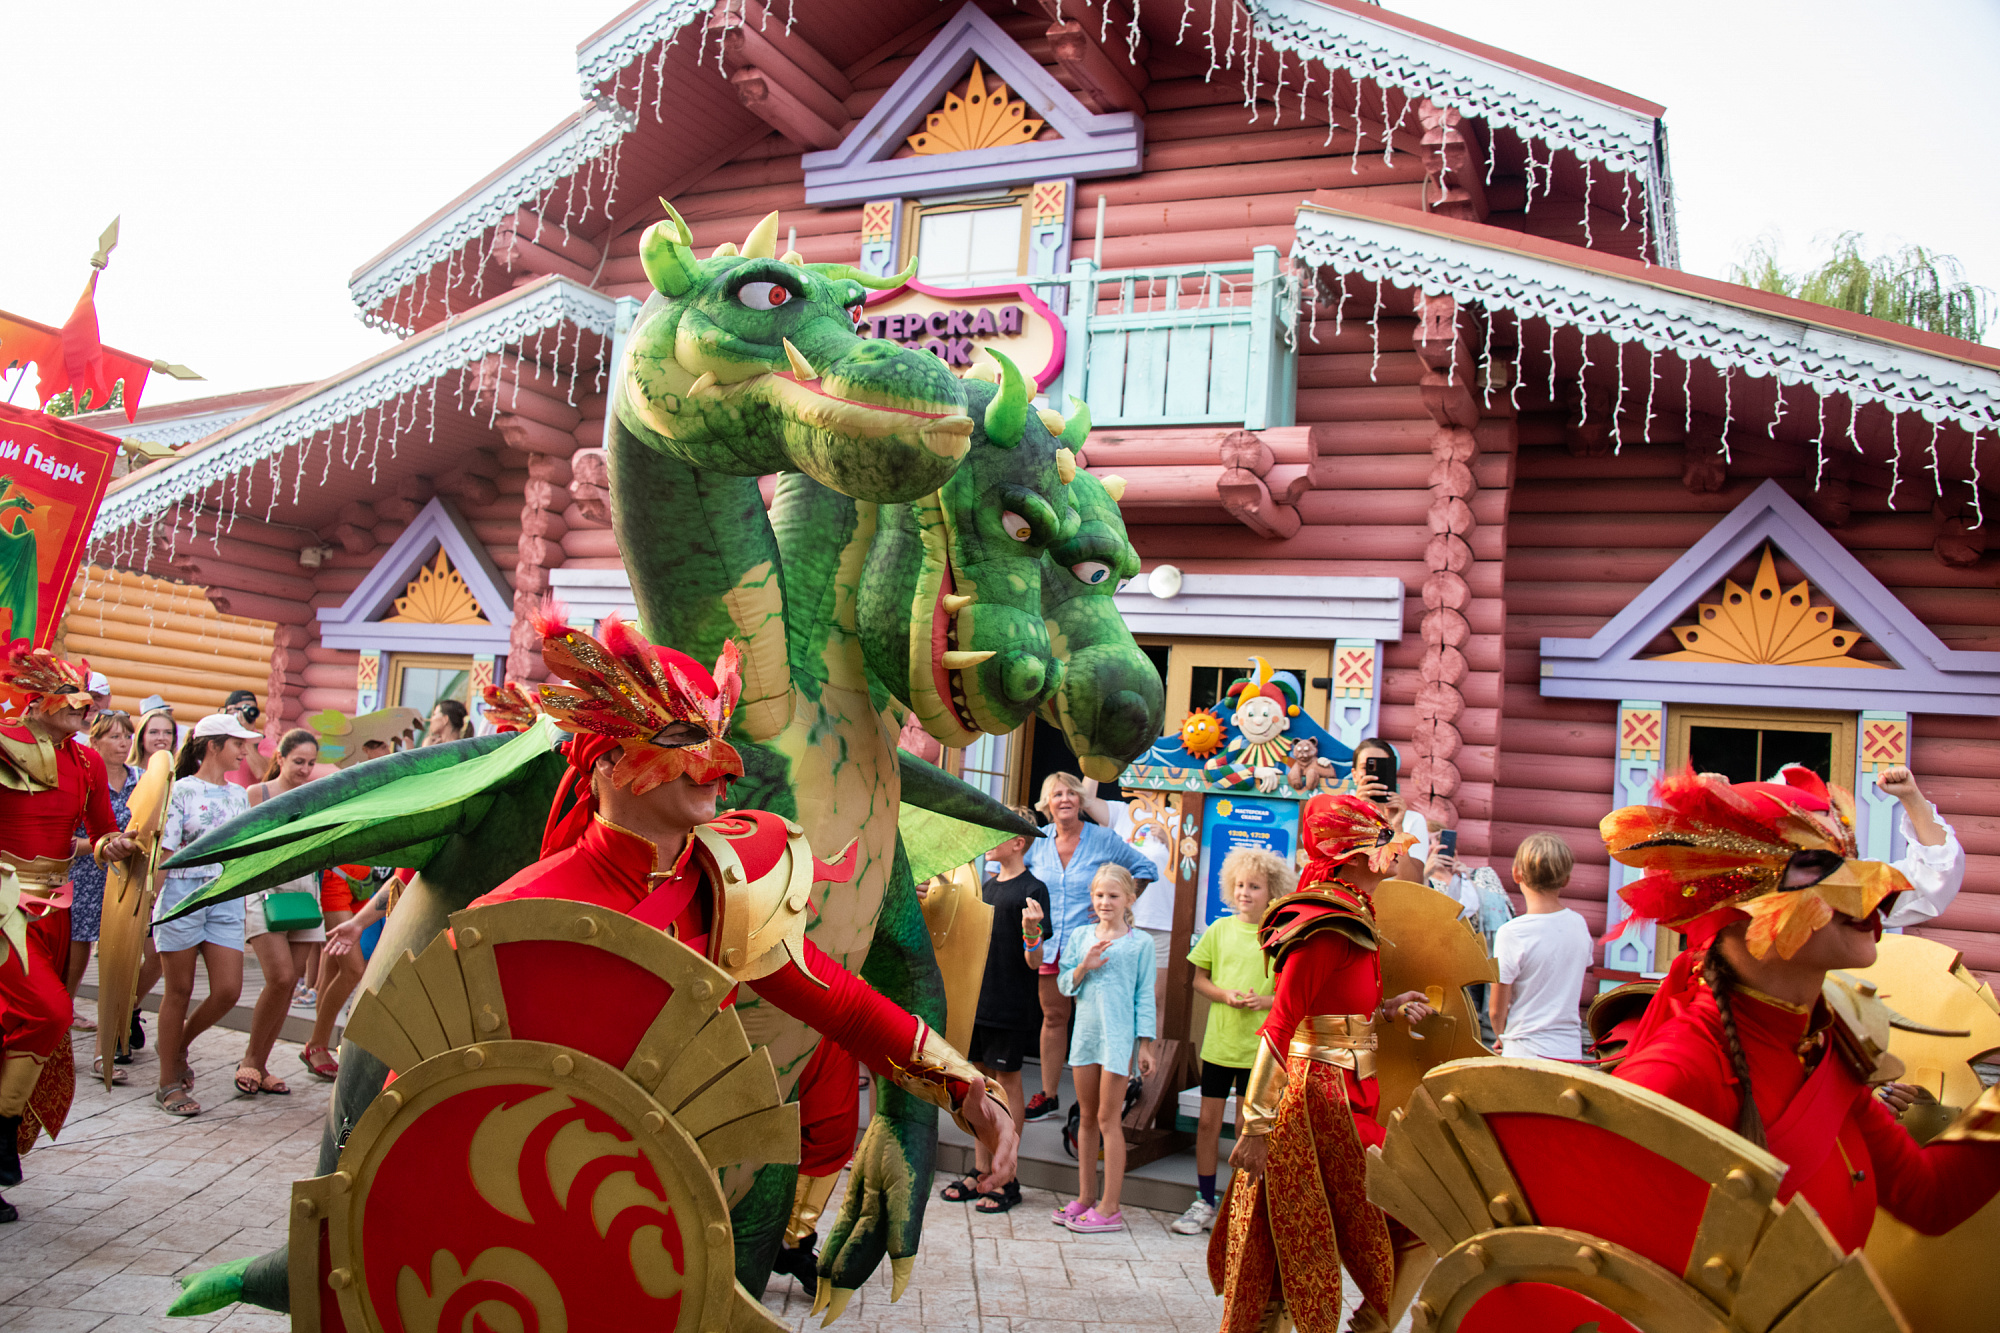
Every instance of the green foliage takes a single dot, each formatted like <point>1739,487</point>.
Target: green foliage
<point>64,403</point>
<point>1915,286</point>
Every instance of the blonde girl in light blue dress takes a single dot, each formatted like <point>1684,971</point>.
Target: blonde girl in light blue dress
<point>1108,968</point>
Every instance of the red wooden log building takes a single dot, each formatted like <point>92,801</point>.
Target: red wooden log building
<point>1384,328</point>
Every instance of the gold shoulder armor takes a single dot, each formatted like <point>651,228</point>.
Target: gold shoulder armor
<point>762,870</point>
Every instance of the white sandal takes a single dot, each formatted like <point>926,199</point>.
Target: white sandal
<point>97,1072</point>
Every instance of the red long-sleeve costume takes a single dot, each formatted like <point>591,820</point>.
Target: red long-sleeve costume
<point>43,799</point>
<point>609,867</point>
<point>1847,1151</point>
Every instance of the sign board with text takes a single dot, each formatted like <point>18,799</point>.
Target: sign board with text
<point>53,475</point>
<point>959,323</point>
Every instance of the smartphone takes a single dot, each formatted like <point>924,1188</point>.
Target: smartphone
<point>1448,841</point>
<point>1383,769</point>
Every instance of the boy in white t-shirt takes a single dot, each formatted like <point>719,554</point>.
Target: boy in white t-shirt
<point>1543,955</point>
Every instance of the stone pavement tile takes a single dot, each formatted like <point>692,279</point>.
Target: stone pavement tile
<point>54,1293</point>
<point>164,1263</point>
<point>134,1293</point>
<point>1066,1303</point>
<point>140,1323</point>
<point>1142,1307</point>
<point>42,1320</point>
<point>1100,1275</point>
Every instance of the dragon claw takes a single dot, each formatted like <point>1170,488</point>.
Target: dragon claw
<point>837,1305</point>
<point>899,1276</point>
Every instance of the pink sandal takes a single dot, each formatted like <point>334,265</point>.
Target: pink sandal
<point>1068,1213</point>
<point>1090,1220</point>
<point>325,1068</point>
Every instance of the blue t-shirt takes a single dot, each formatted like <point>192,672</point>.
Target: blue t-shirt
<point>1069,885</point>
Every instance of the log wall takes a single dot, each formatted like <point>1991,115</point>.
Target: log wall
<point>150,636</point>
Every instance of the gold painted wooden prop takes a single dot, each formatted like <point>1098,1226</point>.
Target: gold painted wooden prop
<point>1765,625</point>
<point>983,118</point>
<point>437,596</point>
<point>961,926</point>
<point>1425,947</point>
<point>1945,1283</point>
<point>1753,1268</point>
<point>693,1097</point>
<point>127,912</point>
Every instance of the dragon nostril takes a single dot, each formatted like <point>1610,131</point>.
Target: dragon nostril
<point>1022,676</point>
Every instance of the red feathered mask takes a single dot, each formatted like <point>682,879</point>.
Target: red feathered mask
<point>1334,829</point>
<point>35,677</point>
<point>1779,854</point>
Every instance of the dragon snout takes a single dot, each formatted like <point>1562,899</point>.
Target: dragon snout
<point>1125,724</point>
<point>1023,676</point>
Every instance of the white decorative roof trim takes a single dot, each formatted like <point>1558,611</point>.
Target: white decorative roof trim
<point>429,357</point>
<point>177,431</point>
<point>594,133</point>
<point>1474,85</point>
<point>1659,318</point>
<point>632,37</point>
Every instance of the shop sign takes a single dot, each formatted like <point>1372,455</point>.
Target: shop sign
<point>957,324</point>
<point>1242,821</point>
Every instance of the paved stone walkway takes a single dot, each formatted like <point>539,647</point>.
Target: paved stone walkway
<point>131,1198</point>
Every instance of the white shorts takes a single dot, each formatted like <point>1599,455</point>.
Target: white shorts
<point>1162,945</point>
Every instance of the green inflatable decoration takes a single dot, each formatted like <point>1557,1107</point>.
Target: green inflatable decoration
<point>932,548</point>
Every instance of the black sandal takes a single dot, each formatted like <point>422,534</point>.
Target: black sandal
<point>1000,1200</point>
<point>960,1191</point>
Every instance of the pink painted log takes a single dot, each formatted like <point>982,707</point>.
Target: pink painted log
<point>541,523</point>
<point>1236,180</point>
<point>216,551</point>
<point>216,574</point>
<point>243,527</point>
<point>1106,83</point>
<point>1194,247</point>
<point>516,253</point>
<point>1332,439</point>
<point>534,436</point>
<point>1554,772</point>
<point>761,34</point>
<point>1223,149</point>
<point>1387,341</point>
<point>497,532</point>
<point>1184,447</point>
<point>314,699</point>
<point>1152,485</point>
<point>549,468</point>
<point>329,676</point>
<point>1374,402</point>
<point>1310,543</point>
<point>1245,495</point>
<point>550,235</point>
<point>778,107</point>
<point>338,580</point>
<point>277,610</point>
<point>1353,370</point>
<point>542,495</point>
<point>1584,842</point>
<point>589,433</point>
<point>1538,736</point>
<point>525,389</point>
<point>574,518</point>
<point>597,542</point>
<point>1576,809</point>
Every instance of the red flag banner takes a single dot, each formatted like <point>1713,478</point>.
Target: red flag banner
<point>53,475</point>
<point>72,358</point>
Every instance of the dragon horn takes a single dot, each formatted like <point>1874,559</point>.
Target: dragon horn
<point>666,252</point>
<point>762,242</point>
<point>1077,429</point>
<point>1007,414</point>
<point>850,273</point>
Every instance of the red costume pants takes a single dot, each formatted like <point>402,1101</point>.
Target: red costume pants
<point>35,1008</point>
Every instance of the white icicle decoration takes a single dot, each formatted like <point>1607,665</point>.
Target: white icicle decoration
<point>1819,442</point>
<point>1588,242</point>
<point>1728,409</point>
<point>1375,334</point>
<point>1895,456</point>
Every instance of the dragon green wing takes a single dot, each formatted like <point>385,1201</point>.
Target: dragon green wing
<point>468,811</point>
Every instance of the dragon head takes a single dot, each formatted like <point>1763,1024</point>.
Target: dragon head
<point>953,622</point>
<point>748,363</point>
<point>1111,703</point>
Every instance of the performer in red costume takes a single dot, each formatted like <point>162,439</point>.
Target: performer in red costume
<point>48,786</point>
<point>1297,1208</point>
<point>1762,878</point>
<point>634,828</point>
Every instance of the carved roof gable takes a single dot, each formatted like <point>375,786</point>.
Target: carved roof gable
<point>371,617</point>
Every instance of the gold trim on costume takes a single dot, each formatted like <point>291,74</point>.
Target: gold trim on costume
<point>1257,1110</point>
<point>760,924</point>
<point>808,1202</point>
<point>931,1069</point>
<point>1345,1040</point>
<point>49,872</point>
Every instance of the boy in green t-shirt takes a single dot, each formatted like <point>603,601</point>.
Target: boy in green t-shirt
<point>1231,971</point>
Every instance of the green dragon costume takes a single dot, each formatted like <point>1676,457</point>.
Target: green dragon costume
<point>904,564</point>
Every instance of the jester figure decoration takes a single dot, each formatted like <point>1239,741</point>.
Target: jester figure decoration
<point>49,787</point>
<point>1297,1210</point>
<point>1763,878</point>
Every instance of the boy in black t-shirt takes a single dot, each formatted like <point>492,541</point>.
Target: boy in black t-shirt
<point>1008,1026</point>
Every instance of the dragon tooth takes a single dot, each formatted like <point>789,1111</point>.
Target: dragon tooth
<point>723,251</point>
<point>702,385</point>
<point>955,602</point>
<point>963,660</point>
<point>800,366</point>
<point>1052,419</point>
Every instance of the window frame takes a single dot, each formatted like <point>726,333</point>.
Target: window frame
<point>1842,726</point>
<point>915,210</point>
<point>392,669</point>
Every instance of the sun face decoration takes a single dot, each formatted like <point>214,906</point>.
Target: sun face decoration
<point>1201,733</point>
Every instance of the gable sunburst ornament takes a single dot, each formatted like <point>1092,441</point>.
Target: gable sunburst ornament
<point>983,118</point>
<point>437,596</point>
<point>1763,625</point>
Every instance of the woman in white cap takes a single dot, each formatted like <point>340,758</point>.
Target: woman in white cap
<point>202,801</point>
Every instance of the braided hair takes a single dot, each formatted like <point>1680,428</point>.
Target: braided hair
<point>1720,975</point>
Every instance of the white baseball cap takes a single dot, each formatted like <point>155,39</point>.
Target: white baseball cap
<point>225,724</point>
<point>99,684</point>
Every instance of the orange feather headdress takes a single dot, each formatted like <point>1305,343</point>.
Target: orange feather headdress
<point>1780,854</point>
<point>511,707</point>
<point>34,677</point>
<point>1334,828</point>
<point>628,692</point>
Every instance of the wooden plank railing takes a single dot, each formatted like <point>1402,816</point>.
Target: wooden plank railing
<point>1188,344</point>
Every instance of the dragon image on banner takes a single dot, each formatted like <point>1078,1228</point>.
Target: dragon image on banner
<point>933,551</point>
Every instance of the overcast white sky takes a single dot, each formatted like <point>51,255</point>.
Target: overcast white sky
<point>260,153</point>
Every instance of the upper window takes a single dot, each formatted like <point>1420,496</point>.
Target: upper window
<point>421,681</point>
<point>1755,745</point>
<point>971,246</point>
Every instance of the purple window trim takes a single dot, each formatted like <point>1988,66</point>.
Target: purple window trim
<point>355,622</point>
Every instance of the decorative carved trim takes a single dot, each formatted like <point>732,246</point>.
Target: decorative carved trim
<point>438,532</point>
<point>437,596</point>
<point>1653,314</point>
<point>633,37</point>
<point>1927,676</point>
<point>1766,625</point>
<point>983,118</point>
<point>453,345</point>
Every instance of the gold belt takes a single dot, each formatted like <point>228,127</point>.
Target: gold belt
<point>48,872</point>
<point>1345,1040</point>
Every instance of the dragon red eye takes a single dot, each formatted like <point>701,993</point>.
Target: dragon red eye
<point>763,295</point>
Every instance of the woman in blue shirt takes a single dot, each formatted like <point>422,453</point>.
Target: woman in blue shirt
<point>1065,858</point>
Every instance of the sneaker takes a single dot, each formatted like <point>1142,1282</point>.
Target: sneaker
<point>1090,1220</point>
<point>1041,1106</point>
<point>1199,1217</point>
